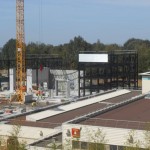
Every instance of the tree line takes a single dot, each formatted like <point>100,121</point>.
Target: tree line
<point>69,51</point>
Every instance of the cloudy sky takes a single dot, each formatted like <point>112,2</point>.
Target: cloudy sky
<point>57,21</point>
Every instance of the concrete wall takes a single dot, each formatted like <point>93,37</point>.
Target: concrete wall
<point>145,84</point>
<point>71,75</point>
<point>29,80</point>
<point>113,136</point>
<point>12,79</point>
<point>49,76</point>
<point>43,76</point>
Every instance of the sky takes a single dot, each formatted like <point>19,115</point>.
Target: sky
<point>58,21</point>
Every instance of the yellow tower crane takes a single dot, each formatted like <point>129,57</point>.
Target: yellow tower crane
<point>20,52</point>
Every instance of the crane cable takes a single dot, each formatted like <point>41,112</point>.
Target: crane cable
<point>40,21</point>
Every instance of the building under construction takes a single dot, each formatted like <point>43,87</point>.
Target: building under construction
<point>119,69</point>
<point>107,70</point>
<point>63,108</point>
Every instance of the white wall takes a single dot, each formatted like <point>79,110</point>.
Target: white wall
<point>113,136</point>
<point>29,80</point>
<point>93,57</point>
<point>12,79</point>
<point>27,134</point>
<point>145,84</point>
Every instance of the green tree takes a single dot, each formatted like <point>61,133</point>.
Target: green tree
<point>13,142</point>
<point>98,46</point>
<point>9,49</point>
<point>69,51</point>
<point>31,48</point>
<point>132,143</point>
<point>143,48</point>
<point>112,47</point>
<point>74,47</point>
<point>98,139</point>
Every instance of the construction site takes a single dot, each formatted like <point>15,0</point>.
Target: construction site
<point>56,107</point>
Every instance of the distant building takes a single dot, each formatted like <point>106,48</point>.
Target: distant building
<point>145,82</point>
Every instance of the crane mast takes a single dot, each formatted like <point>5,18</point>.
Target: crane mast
<point>20,51</point>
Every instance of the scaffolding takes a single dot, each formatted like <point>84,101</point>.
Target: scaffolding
<point>121,71</point>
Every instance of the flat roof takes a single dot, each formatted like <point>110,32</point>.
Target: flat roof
<point>28,134</point>
<point>75,105</point>
<point>57,120</point>
<point>134,115</point>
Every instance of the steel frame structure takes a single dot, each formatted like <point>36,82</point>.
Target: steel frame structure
<point>34,62</point>
<point>121,71</point>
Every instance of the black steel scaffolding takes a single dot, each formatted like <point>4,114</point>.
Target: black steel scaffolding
<point>33,62</point>
<point>121,71</point>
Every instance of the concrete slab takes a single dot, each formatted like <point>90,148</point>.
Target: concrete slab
<point>74,105</point>
<point>93,100</point>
